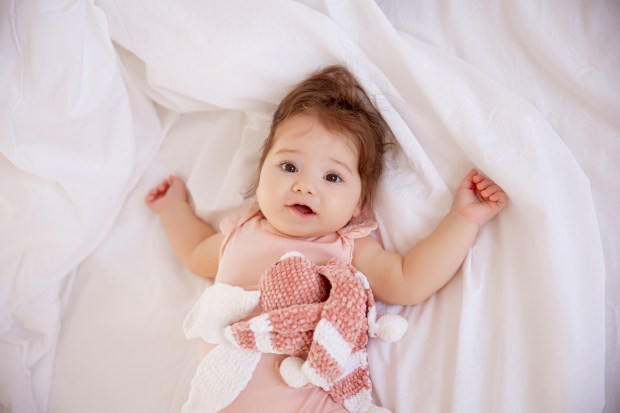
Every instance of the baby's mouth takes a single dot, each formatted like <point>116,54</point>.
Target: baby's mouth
<point>303,209</point>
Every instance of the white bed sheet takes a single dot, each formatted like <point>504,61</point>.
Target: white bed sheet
<point>104,100</point>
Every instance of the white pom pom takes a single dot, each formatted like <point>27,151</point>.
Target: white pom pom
<point>290,371</point>
<point>291,254</point>
<point>391,327</point>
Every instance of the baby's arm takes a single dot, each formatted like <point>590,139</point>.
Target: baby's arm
<point>433,261</point>
<point>193,240</point>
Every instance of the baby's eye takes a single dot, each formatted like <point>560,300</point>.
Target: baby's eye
<point>333,178</point>
<point>288,167</point>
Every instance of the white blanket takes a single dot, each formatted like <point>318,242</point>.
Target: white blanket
<point>101,101</point>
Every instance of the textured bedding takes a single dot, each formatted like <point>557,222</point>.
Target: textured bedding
<point>101,100</point>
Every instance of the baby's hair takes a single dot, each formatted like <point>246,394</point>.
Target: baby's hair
<point>335,98</point>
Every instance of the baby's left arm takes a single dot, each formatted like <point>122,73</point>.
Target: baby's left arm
<point>433,261</point>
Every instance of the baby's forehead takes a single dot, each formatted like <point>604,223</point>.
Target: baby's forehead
<point>301,125</point>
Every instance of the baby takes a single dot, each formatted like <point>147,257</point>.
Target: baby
<point>317,175</point>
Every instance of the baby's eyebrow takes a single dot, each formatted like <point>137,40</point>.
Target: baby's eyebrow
<point>343,164</point>
<point>286,150</point>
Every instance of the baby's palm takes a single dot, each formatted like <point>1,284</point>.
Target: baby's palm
<point>170,190</point>
<point>478,199</point>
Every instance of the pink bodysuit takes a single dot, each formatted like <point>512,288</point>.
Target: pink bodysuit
<point>251,245</point>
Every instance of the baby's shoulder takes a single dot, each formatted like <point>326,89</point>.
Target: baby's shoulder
<point>238,217</point>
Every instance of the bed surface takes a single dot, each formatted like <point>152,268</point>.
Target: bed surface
<point>101,100</point>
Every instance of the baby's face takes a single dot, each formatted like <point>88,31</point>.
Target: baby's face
<point>309,184</point>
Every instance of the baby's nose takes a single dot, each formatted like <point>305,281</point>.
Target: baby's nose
<point>304,185</point>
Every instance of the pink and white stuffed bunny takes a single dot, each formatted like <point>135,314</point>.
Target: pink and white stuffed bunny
<point>322,316</point>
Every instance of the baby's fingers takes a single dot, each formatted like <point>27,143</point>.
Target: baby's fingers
<point>490,190</point>
<point>163,187</point>
<point>495,194</point>
<point>484,183</point>
<point>158,190</point>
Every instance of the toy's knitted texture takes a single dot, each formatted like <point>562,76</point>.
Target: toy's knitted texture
<point>225,370</point>
<point>321,313</point>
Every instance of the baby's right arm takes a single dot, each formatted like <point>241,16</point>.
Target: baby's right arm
<point>195,243</point>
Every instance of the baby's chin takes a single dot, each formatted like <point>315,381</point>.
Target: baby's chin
<point>304,232</point>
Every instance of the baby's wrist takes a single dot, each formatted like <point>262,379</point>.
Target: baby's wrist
<point>171,206</point>
<point>465,219</point>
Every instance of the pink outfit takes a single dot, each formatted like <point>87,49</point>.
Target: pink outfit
<point>251,245</point>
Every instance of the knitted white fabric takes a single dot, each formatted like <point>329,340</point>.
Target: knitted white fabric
<point>223,374</point>
<point>225,370</point>
<point>214,310</point>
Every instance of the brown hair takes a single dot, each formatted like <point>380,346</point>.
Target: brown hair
<point>335,98</point>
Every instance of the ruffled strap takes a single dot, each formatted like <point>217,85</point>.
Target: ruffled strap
<point>359,226</point>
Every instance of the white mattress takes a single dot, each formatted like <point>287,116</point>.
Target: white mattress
<point>102,100</point>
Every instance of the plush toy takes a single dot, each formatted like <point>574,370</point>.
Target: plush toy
<point>226,369</point>
<point>322,316</point>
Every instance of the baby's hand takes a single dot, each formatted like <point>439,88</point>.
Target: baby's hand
<point>478,199</point>
<point>170,190</point>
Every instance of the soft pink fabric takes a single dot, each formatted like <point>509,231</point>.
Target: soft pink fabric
<point>250,246</point>
<point>299,303</point>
